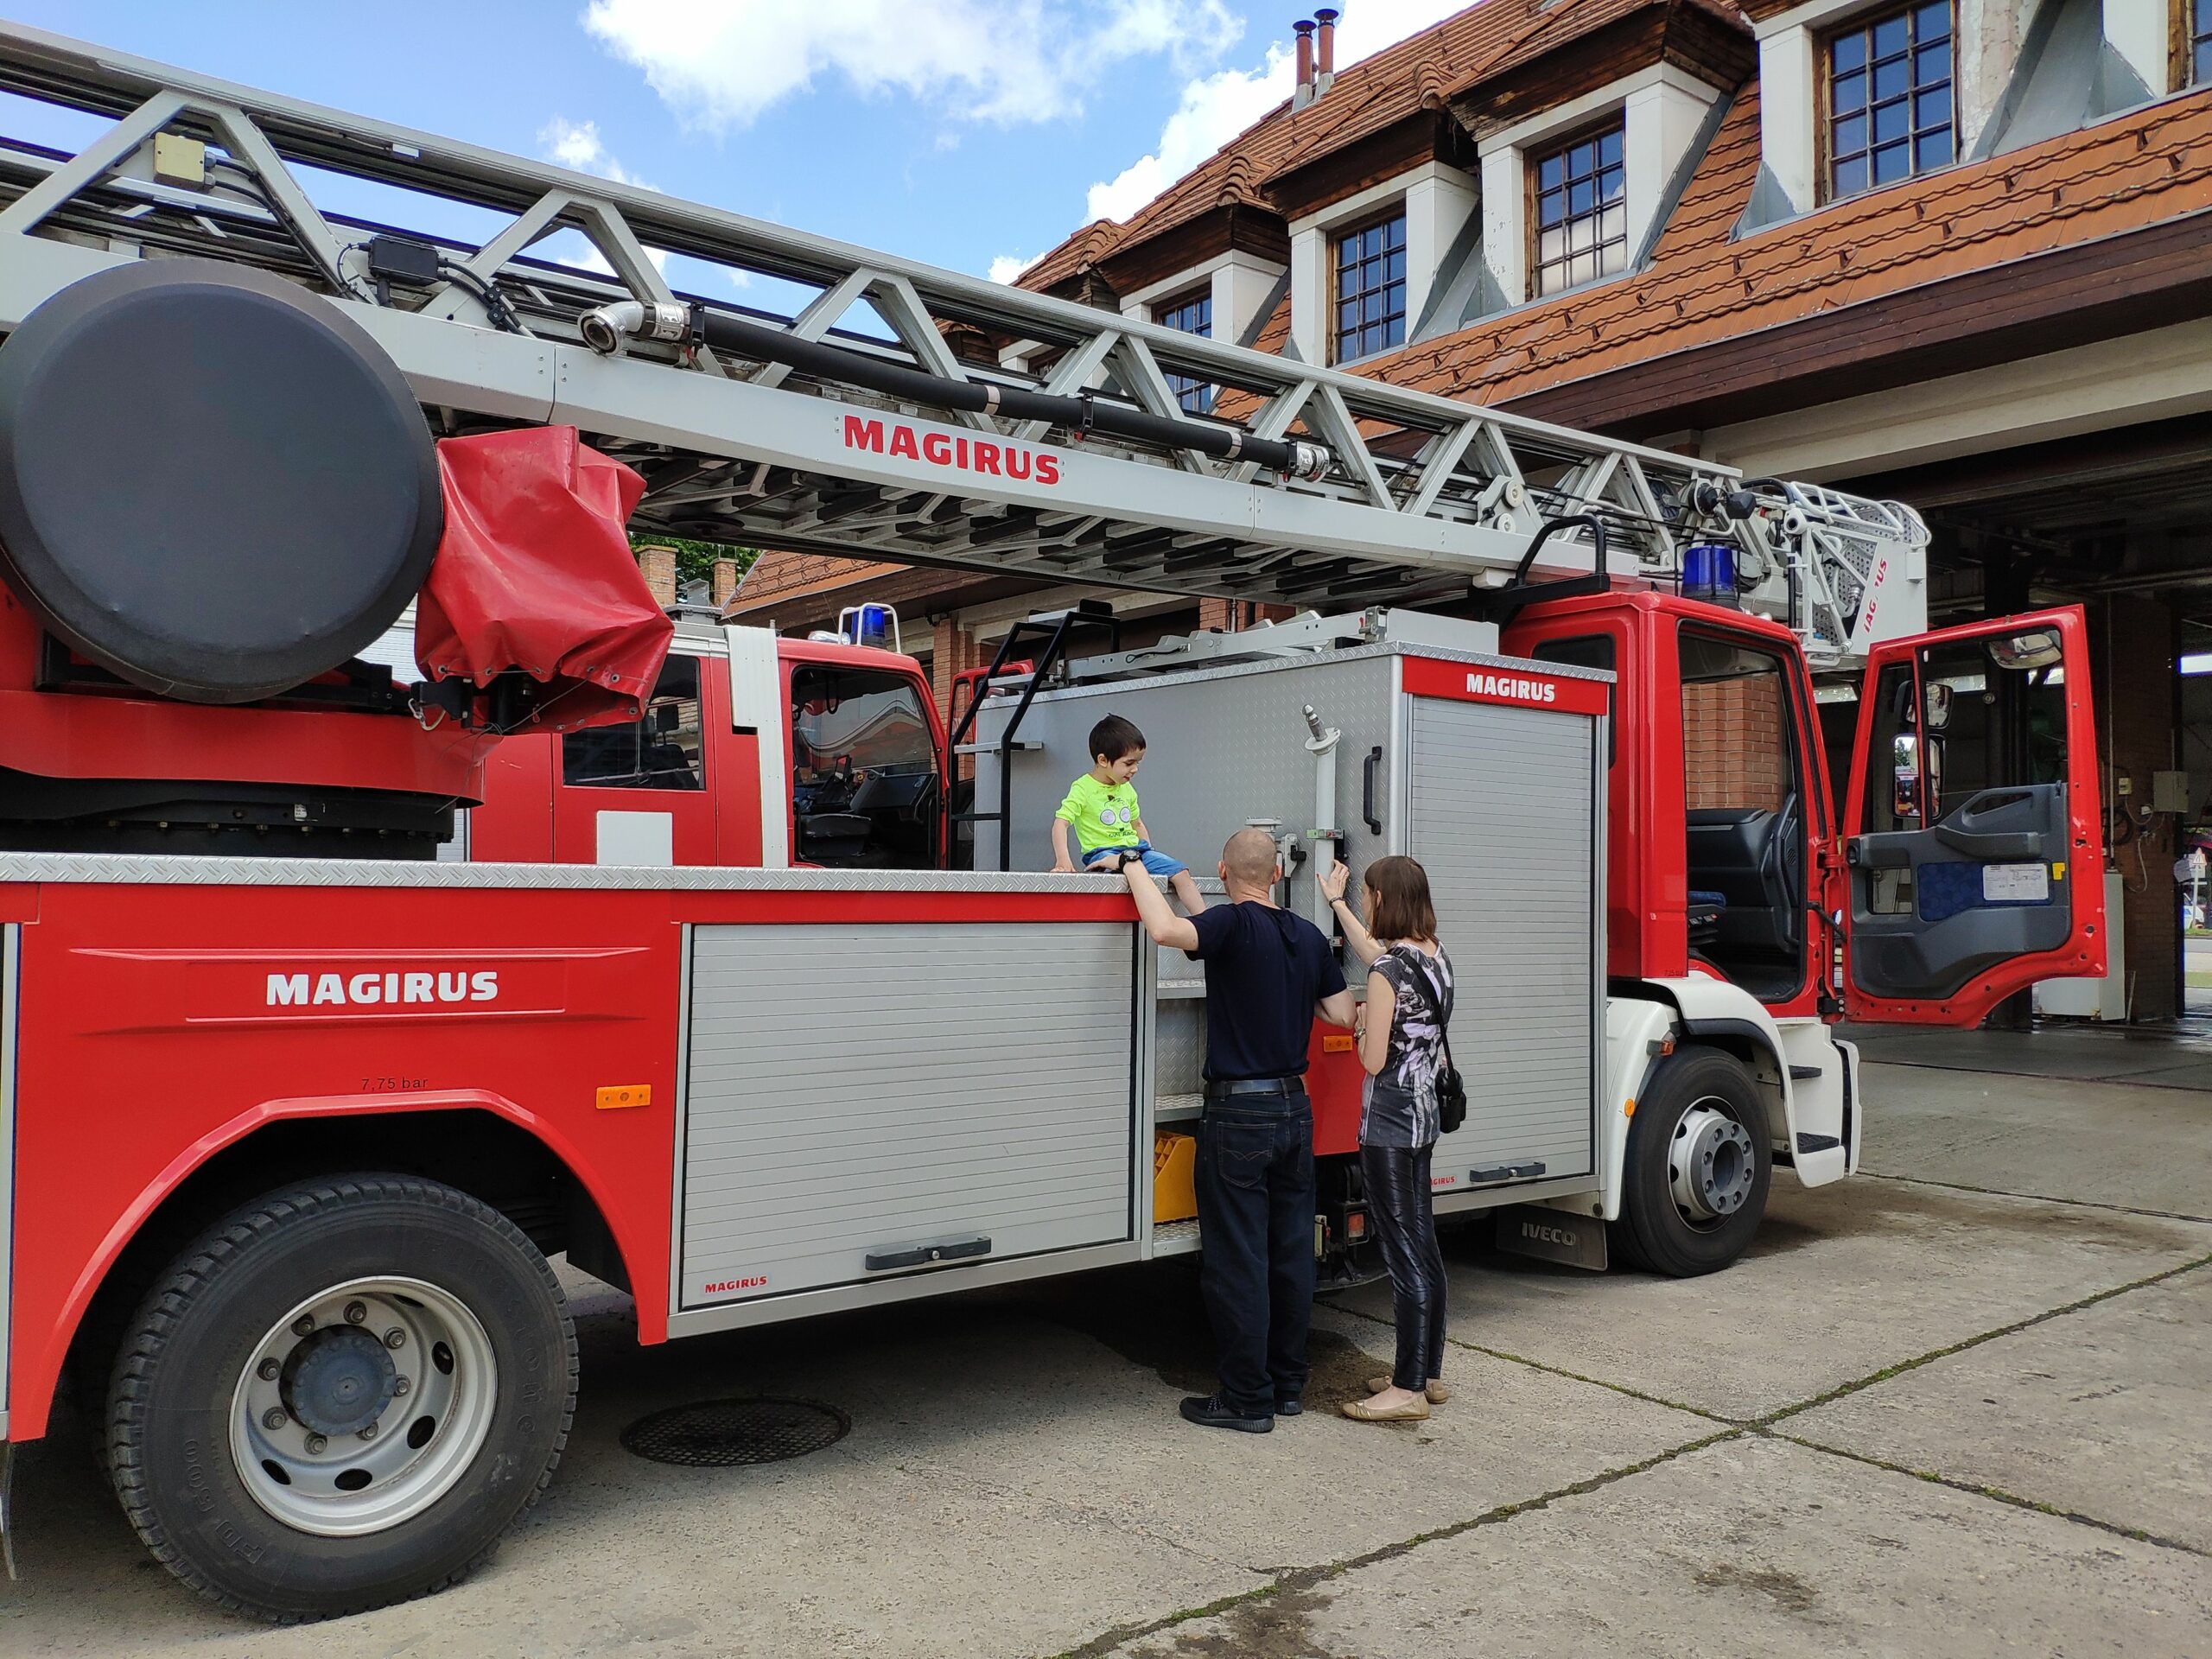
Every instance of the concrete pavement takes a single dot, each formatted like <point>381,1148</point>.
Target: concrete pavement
<point>1919,1418</point>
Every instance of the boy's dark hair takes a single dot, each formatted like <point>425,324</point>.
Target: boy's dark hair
<point>1114,737</point>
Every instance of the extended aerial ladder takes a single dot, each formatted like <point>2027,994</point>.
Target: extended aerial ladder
<point>876,419</point>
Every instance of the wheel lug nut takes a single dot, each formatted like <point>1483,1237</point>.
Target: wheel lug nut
<point>268,1370</point>
<point>316,1445</point>
<point>401,1385</point>
<point>304,1324</point>
<point>395,1338</point>
<point>356,1312</point>
<point>369,1432</point>
<point>273,1418</point>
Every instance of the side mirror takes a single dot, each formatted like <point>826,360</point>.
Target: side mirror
<point>1937,712</point>
<point>2037,648</point>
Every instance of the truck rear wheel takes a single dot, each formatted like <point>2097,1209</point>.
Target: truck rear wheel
<point>342,1396</point>
<point>1698,1163</point>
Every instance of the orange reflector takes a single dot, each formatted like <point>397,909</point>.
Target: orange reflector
<point>1336,1042</point>
<point>633,1094</point>
<point>1627,1107</point>
<point>1355,1225</point>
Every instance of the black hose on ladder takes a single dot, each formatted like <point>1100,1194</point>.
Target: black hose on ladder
<point>604,329</point>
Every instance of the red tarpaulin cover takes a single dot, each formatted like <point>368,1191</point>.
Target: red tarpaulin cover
<point>535,573</point>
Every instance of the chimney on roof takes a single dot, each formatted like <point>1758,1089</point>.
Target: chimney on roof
<point>1304,95</point>
<point>1324,58</point>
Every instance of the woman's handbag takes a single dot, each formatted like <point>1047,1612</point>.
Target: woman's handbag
<point>1451,1087</point>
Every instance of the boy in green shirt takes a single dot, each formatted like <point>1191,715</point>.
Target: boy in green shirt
<point>1102,806</point>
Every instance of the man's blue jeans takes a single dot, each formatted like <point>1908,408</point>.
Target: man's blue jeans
<point>1254,1182</point>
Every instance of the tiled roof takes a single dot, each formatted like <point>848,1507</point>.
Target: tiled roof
<point>2137,171</point>
<point>1070,259</point>
<point>1419,71</point>
<point>778,576</point>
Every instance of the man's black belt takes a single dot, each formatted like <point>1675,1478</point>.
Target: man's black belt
<point>1231,1086</point>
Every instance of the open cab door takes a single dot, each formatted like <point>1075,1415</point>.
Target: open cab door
<point>1975,848</point>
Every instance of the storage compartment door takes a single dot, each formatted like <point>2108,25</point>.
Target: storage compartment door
<point>1502,818</point>
<point>868,1102</point>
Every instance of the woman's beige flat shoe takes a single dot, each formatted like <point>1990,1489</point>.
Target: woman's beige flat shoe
<point>1412,1412</point>
<point>1439,1391</point>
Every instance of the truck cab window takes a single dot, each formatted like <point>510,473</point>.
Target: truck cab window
<point>1745,829</point>
<point>1586,651</point>
<point>864,769</point>
<point>662,751</point>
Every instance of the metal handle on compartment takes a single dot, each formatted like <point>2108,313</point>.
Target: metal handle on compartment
<point>1367,790</point>
<point>917,1255</point>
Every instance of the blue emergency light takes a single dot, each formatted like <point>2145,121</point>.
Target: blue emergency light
<point>1709,574</point>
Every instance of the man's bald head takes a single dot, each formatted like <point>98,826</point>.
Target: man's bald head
<point>1248,859</point>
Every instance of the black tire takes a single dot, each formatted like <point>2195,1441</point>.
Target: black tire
<point>172,1393</point>
<point>1653,1228</point>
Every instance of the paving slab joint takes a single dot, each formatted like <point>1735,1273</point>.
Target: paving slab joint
<point>1560,1371</point>
<point>2038,1197</point>
<point>1936,1477</point>
<point>1842,1389</point>
<point>1305,1578</point>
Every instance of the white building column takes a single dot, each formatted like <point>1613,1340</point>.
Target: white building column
<point>1786,108</point>
<point>2137,30</point>
<point>1312,284</point>
<point>1504,210</point>
<point>1243,284</point>
<point>1437,207</point>
<point>1659,124</point>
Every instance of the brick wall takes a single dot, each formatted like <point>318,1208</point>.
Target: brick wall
<point>1733,743</point>
<point>953,650</point>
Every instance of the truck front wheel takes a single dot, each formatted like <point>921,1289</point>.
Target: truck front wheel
<point>1696,1182</point>
<point>342,1396</point>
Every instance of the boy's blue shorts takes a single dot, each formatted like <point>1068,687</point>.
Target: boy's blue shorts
<point>1155,863</point>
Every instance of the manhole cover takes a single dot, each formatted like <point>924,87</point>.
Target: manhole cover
<point>721,1434</point>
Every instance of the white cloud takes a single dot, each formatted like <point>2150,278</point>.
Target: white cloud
<point>722,62</point>
<point>1007,266</point>
<point>577,144</point>
<point>1215,108</point>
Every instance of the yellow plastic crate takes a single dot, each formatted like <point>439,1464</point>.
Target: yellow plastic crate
<point>1174,1157</point>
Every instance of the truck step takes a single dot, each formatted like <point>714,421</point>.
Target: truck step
<point>993,749</point>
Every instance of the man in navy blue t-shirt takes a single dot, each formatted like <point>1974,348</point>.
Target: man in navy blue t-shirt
<point>1268,973</point>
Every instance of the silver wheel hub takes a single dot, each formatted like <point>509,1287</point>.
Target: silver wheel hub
<point>363,1406</point>
<point>1710,1165</point>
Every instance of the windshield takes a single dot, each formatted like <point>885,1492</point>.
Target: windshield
<point>863,720</point>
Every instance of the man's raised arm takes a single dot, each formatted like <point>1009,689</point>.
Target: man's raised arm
<point>1168,929</point>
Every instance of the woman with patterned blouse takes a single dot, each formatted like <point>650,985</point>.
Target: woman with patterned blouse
<point>1402,1047</point>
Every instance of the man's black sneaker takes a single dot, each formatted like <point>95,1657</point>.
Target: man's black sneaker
<point>1214,1412</point>
<point>1293,1407</point>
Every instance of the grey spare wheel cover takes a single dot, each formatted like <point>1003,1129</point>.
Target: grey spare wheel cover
<point>211,482</point>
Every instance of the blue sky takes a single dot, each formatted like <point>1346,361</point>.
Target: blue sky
<point>973,134</point>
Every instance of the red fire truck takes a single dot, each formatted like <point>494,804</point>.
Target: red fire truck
<point>301,1084</point>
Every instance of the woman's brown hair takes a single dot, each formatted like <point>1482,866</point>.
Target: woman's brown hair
<point>1402,907</point>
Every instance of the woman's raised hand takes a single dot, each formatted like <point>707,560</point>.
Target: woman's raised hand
<point>1334,879</point>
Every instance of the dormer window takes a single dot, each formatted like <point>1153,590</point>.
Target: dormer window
<point>2199,43</point>
<point>1192,315</point>
<point>1371,313</point>
<point>1891,111</point>
<point>1579,195</point>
